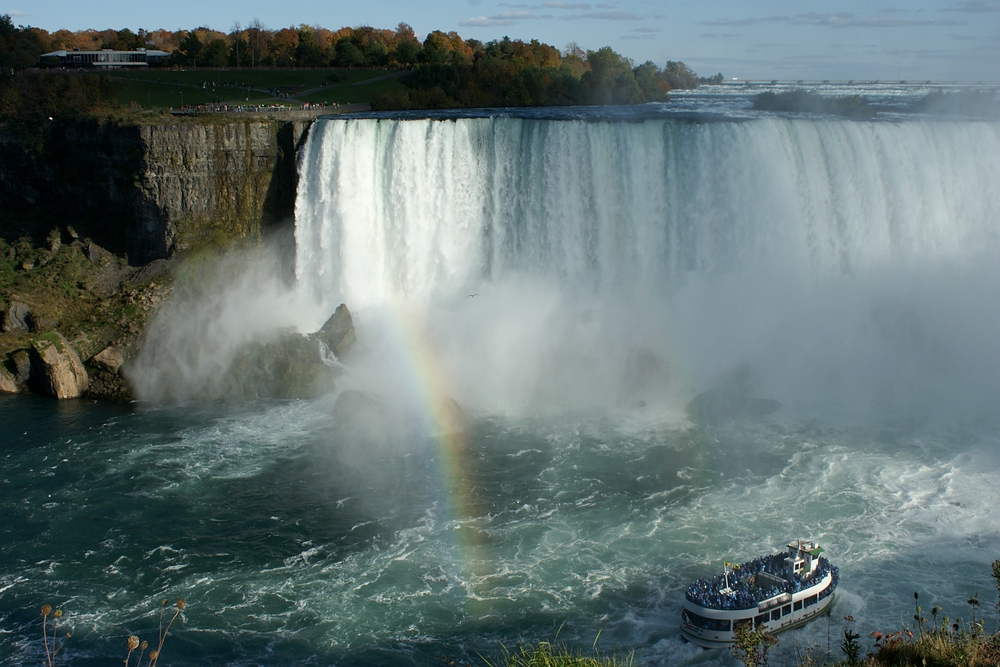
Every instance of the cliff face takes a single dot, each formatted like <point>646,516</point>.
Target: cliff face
<point>197,181</point>
<point>89,214</point>
<point>151,190</point>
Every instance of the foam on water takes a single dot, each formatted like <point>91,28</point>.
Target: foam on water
<point>619,268</point>
<point>283,553</point>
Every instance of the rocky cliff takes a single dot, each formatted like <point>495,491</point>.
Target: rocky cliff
<point>149,190</point>
<point>95,222</point>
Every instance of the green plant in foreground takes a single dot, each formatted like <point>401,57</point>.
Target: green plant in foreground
<point>751,646</point>
<point>850,645</point>
<point>547,655</point>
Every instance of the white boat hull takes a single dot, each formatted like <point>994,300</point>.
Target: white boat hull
<point>712,628</point>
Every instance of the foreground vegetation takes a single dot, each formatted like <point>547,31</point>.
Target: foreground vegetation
<point>549,655</point>
<point>935,641</point>
<point>930,642</point>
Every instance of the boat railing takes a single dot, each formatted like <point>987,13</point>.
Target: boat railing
<point>743,589</point>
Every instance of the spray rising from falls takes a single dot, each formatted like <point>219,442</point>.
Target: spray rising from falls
<point>846,261</point>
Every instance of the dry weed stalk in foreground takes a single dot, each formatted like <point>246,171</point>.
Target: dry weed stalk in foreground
<point>154,655</point>
<point>53,646</point>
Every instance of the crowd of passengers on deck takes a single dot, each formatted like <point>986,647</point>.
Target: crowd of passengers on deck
<point>747,592</point>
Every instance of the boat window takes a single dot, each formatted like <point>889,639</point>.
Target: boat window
<point>760,620</point>
<point>798,605</point>
<point>776,614</point>
<point>811,600</point>
<point>715,624</point>
<point>786,610</point>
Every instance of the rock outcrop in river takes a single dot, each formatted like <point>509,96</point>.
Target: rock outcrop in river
<point>56,368</point>
<point>730,400</point>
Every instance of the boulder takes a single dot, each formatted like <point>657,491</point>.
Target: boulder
<point>451,416</point>
<point>20,364</point>
<point>289,367</point>
<point>8,385</point>
<point>108,386</point>
<point>730,400</point>
<point>109,360</point>
<point>56,369</point>
<point>17,318</point>
<point>106,379</point>
<point>338,332</point>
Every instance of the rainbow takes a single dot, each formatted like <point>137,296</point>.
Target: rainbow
<point>444,421</point>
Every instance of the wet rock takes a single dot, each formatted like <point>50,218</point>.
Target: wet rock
<point>8,385</point>
<point>730,400</point>
<point>108,360</point>
<point>108,386</point>
<point>20,364</point>
<point>451,416</point>
<point>289,367</point>
<point>338,332</point>
<point>56,368</point>
<point>17,318</point>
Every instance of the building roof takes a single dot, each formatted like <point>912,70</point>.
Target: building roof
<point>62,53</point>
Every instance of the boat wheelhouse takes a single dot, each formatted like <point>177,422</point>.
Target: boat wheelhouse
<point>775,592</point>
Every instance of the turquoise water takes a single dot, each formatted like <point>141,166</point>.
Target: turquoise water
<point>293,546</point>
<point>572,282</point>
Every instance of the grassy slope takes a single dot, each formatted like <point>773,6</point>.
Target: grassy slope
<point>165,87</point>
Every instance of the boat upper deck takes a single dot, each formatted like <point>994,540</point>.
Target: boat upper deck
<point>755,581</point>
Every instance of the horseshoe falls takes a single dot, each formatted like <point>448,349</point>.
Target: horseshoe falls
<point>572,281</point>
<point>849,264</point>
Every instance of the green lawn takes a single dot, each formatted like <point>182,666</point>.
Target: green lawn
<point>171,88</point>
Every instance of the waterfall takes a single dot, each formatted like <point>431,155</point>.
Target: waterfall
<point>426,208</point>
<point>847,261</point>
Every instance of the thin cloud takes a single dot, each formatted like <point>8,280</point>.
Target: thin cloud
<point>917,52</point>
<point>510,18</point>
<point>851,21</point>
<point>485,22</point>
<point>610,15</point>
<point>840,20</point>
<point>740,23</point>
<point>716,35</point>
<point>975,6</point>
<point>648,30</point>
<point>582,6</point>
<point>13,13</point>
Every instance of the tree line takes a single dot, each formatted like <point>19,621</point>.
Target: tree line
<point>445,70</point>
<point>514,73</point>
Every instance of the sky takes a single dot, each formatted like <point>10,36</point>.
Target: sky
<point>941,40</point>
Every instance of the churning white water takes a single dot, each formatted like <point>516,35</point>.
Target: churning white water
<point>850,263</point>
<point>572,284</point>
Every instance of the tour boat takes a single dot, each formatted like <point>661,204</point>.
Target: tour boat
<point>775,592</point>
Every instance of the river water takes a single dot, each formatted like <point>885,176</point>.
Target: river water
<point>572,279</point>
